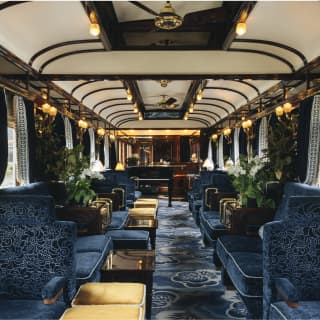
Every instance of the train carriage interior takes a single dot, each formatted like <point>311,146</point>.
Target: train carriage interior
<point>159,160</point>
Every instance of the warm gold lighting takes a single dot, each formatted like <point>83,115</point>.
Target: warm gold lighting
<point>45,107</point>
<point>135,108</point>
<point>214,137</point>
<point>191,107</point>
<point>140,117</point>
<point>241,28</point>
<point>101,132</point>
<point>287,107</point>
<point>112,137</point>
<point>186,116</point>
<point>44,93</point>
<point>129,95</point>
<point>119,167</point>
<point>168,19</point>
<point>226,131</point>
<point>94,26</point>
<point>82,124</point>
<point>53,111</point>
<point>279,111</point>
<point>199,95</point>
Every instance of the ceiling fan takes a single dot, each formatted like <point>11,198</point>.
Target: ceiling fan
<point>167,102</point>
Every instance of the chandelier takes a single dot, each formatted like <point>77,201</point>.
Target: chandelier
<point>167,18</point>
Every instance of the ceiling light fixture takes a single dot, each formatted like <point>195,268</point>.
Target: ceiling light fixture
<point>94,26</point>
<point>191,107</point>
<point>241,28</point>
<point>167,18</point>
<point>199,95</point>
<point>186,116</point>
<point>135,108</point>
<point>129,95</point>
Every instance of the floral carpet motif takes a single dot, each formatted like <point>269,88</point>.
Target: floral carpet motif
<point>186,284</point>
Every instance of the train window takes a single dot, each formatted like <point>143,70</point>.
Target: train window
<point>10,176</point>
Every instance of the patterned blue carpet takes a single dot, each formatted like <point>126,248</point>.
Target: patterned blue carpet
<point>186,284</point>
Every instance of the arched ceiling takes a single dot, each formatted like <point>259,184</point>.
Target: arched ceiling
<point>48,44</point>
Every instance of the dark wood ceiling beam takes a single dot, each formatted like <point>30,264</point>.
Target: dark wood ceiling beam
<point>143,7</point>
<point>242,15</point>
<point>254,76</point>
<point>137,97</point>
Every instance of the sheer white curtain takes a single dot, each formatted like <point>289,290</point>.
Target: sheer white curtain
<point>263,137</point>
<point>220,152</point>
<point>236,144</point>
<point>68,133</point>
<point>92,145</point>
<point>106,152</point>
<point>208,163</point>
<point>314,145</point>
<point>22,141</point>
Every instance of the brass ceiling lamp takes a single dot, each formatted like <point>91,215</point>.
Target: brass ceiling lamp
<point>167,18</point>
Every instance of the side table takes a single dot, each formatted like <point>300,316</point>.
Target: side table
<point>131,266</point>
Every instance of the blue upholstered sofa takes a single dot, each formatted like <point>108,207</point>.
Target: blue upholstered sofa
<point>291,268</point>
<point>242,257</point>
<point>36,263</point>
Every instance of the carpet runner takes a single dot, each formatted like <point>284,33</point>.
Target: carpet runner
<point>186,284</point>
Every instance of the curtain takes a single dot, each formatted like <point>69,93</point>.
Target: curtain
<point>255,141</point>
<point>303,137</point>
<point>101,150</point>
<point>314,145</point>
<point>235,144</point>
<point>113,156</point>
<point>106,150</point>
<point>242,142</point>
<point>3,135</point>
<point>22,141</point>
<point>59,130</point>
<point>74,129</point>
<point>220,152</point>
<point>68,133</point>
<point>263,137</point>
<point>86,143</point>
<point>92,145</point>
<point>184,149</point>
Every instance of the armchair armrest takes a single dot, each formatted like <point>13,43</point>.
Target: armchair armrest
<point>287,292</point>
<point>122,192</point>
<point>53,290</point>
<point>208,191</point>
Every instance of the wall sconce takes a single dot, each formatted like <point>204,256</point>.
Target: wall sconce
<point>199,95</point>
<point>140,117</point>
<point>94,26</point>
<point>191,107</point>
<point>248,128</point>
<point>135,107</point>
<point>214,137</point>
<point>112,137</point>
<point>285,109</point>
<point>227,135</point>
<point>101,132</point>
<point>241,28</point>
<point>53,111</point>
<point>186,116</point>
<point>129,95</point>
<point>82,124</point>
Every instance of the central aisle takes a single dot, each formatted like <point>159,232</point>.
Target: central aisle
<point>186,284</point>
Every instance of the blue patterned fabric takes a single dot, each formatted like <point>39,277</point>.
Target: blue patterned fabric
<point>286,289</point>
<point>119,219</point>
<point>291,249</point>
<point>26,209</point>
<point>95,243</point>
<point>307,310</point>
<point>39,188</point>
<point>31,309</point>
<point>35,263</point>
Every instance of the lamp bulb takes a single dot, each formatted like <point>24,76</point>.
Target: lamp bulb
<point>94,29</point>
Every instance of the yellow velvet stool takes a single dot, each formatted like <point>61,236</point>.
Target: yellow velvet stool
<point>145,204</point>
<point>143,212</point>
<point>111,293</point>
<point>104,312</point>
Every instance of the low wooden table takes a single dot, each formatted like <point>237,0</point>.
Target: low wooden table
<point>144,223</point>
<point>131,266</point>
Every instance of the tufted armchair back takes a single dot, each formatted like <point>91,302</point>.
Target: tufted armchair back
<point>294,189</point>
<point>291,249</point>
<point>30,256</point>
<point>222,181</point>
<point>26,209</point>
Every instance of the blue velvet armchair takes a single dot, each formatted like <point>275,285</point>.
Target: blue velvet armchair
<point>291,269</point>
<point>37,270</point>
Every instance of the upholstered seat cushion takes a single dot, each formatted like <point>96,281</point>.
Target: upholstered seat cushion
<point>106,312</point>
<point>30,309</point>
<point>119,219</point>
<point>233,243</point>
<point>110,293</point>
<point>129,239</point>
<point>88,265</point>
<point>245,271</point>
<point>95,243</point>
<point>307,310</point>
